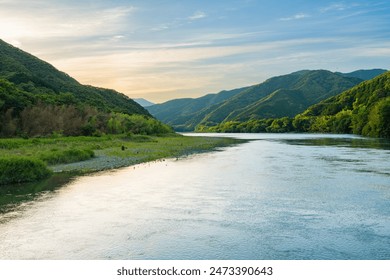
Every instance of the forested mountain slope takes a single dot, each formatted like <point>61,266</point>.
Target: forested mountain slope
<point>185,113</point>
<point>44,82</point>
<point>282,96</point>
<point>364,109</point>
<point>38,100</point>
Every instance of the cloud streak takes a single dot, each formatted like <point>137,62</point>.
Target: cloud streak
<point>333,7</point>
<point>197,15</point>
<point>295,17</point>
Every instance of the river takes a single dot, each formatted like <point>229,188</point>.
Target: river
<point>281,196</point>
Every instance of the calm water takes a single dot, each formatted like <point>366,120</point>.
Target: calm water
<point>279,197</point>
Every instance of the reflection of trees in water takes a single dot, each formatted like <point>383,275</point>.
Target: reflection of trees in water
<point>371,143</point>
<point>11,196</point>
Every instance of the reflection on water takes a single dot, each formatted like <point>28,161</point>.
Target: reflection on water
<point>352,142</point>
<point>279,197</point>
<point>12,196</point>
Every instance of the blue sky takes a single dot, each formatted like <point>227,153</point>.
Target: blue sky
<point>160,50</point>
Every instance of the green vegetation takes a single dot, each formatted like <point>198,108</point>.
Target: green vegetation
<point>363,109</point>
<point>184,114</point>
<point>364,74</point>
<point>38,100</point>
<point>33,80</point>
<point>58,124</point>
<point>66,156</point>
<point>278,97</point>
<point>29,159</point>
<point>22,169</point>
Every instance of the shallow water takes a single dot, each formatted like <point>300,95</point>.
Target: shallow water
<point>283,196</point>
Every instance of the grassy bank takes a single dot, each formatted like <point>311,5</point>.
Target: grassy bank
<point>24,160</point>
<point>16,169</point>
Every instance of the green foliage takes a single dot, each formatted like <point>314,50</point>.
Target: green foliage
<point>38,100</point>
<point>278,97</point>
<point>136,124</point>
<point>68,120</point>
<point>302,123</point>
<point>67,156</point>
<point>37,80</point>
<point>364,109</point>
<point>21,169</point>
<point>378,124</point>
<point>184,114</point>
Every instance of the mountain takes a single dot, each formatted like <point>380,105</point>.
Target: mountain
<point>185,113</point>
<point>282,96</point>
<point>364,74</point>
<point>363,109</point>
<point>38,100</point>
<point>46,83</point>
<point>143,102</point>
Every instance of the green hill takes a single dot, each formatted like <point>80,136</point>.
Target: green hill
<point>46,83</point>
<point>37,100</point>
<point>363,109</point>
<point>184,114</point>
<point>282,96</point>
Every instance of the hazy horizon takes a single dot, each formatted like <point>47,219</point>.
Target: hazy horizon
<point>175,49</point>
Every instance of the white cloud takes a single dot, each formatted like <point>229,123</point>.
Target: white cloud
<point>51,20</point>
<point>160,27</point>
<point>197,15</point>
<point>333,7</point>
<point>295,17</point>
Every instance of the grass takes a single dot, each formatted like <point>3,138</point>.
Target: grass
<point>66,156</point>
<point>22,169</point>
<point>31,159</point>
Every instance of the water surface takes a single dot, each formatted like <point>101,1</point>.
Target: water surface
<point>283,196</point>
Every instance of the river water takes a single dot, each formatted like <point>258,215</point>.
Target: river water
<point>282,196</point>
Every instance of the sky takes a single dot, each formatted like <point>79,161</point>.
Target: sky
<point>162,50</point>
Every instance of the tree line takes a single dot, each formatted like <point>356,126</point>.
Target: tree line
<point>23,114</point>
<point>374,123</point>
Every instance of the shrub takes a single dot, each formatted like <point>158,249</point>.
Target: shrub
<point>20,169</point>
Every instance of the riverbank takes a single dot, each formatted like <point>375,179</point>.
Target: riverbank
<point>64,158</point>
<point>90,154</point>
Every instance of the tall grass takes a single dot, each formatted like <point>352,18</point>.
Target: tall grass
<point>22,169</point>
<point>66,156</point>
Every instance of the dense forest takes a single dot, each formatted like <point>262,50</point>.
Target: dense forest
<point>38,100</point>
<point>363,109</point>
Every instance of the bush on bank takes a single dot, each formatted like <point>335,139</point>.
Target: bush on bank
<point>22,169</point>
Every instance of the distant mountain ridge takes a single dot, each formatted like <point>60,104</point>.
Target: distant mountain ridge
<point>143,102</point>
<point>185,113</point>
<point>281,96</point>
<point>364,74</point>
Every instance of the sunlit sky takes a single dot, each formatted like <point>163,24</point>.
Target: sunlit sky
<point>160,50</point>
